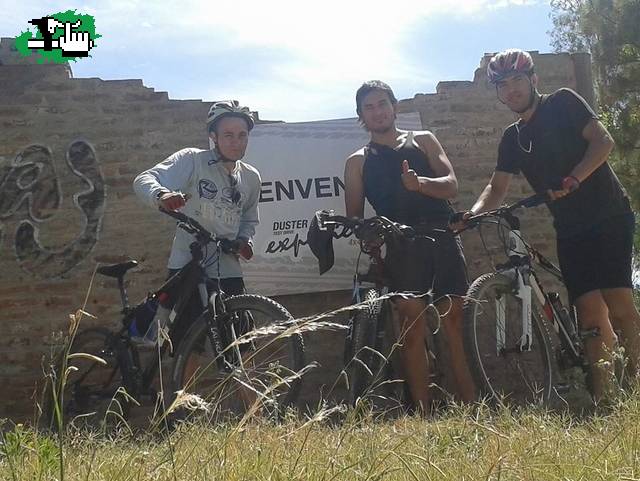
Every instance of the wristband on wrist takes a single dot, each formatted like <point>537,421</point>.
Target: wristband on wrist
<point>570,183</point>
<point>159,195</point>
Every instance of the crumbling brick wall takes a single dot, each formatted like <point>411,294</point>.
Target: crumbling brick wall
<point>91,137</point>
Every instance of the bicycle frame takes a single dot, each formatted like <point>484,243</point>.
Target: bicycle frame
<point>214,303</point>
<point>180,287</point>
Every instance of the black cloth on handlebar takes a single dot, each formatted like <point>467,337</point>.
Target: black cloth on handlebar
<point>320,241</point>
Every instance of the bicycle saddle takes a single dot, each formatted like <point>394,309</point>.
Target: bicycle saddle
<point>117,270</point>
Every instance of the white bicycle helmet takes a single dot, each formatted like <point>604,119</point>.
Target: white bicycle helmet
<point>228,108</point>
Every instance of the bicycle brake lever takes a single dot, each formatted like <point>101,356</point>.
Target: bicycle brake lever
<point>535,200</point>
<point>187,227</point>
<point>409,232</point>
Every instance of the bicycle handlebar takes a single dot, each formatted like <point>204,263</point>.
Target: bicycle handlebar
<point>192,226</point>
<point>505,211</point>
<point>379,226</point>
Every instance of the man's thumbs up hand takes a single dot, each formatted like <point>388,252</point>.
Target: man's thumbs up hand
<point>410,178</point>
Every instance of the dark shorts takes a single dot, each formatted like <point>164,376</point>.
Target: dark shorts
<point>231,286</point>
<point>599,258</point>
<point>421,265</point>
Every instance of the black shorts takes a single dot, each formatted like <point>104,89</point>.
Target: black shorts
<point>599,258</point>
<point>231,286</point>
<point>422,265</point>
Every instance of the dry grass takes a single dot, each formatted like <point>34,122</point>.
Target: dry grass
<point>464,443</point>
<point>332,443</point>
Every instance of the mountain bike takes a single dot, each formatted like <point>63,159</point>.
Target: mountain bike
<point>512,324</point>
<point>371,354</point>
<point>235,352</point>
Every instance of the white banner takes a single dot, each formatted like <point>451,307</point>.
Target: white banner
<point>302,167</point>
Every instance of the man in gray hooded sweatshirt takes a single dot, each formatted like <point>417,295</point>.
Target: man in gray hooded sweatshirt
<point>214,187</point>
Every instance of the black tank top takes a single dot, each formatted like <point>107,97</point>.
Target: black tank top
<point>385,192</point>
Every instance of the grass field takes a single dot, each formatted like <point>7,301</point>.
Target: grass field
<point>463,443</point>
<point>472,442</point>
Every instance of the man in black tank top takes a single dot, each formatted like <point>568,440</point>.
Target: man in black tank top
<point>561,148</point>
<point>407,177</point>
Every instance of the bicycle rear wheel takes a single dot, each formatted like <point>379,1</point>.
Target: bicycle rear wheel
<point>506,374</point>
<point>92,397</point>
<point>265,380</point>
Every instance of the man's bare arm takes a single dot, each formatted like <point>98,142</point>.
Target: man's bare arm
<point>354,185</point>
<point>445,184</point>
<point>494,193</point>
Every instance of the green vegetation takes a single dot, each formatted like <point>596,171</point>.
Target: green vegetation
<point>608,29</point>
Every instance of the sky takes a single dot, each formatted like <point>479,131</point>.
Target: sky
<point>293,60</point>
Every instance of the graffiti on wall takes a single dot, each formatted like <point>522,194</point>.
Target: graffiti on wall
<point>31,194</point>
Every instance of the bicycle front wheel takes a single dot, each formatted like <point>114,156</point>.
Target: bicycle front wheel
<point>503,371</point>
<point>260,376</point>
<point>361,368</point>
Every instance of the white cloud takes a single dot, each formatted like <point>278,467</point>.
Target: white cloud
<point>333,47</point>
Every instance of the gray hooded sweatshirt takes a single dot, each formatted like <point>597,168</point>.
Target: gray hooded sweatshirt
<point>225,204</point>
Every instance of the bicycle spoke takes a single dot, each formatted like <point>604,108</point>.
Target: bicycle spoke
<point>505,370</point>
<point>253,373</point>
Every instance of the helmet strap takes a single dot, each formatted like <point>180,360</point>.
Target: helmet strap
<point>220,157</point>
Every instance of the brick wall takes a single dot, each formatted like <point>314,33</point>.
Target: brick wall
<point>91,137</point>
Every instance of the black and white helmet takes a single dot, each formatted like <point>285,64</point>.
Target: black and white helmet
<point>228,108</point>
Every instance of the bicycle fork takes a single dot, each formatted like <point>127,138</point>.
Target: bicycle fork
<point>225,361</point>
<point>213,332</point>
<point>524,285</point>
<point>522,291</point>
